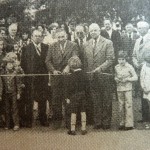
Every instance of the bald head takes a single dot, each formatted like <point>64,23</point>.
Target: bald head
<point>12,29</point>
<point>143,27</point>
<point>94,30</point>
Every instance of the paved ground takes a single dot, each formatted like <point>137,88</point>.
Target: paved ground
<point>47,139</point>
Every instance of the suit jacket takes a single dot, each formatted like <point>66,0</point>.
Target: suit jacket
<point>10,43</point>
<point>32,63</point>
<point>139,49</point>
<point>80,50</point>
<point>103,57</point>
<point>115,38</point>
<point>127,44</point>
<point>56,60</point>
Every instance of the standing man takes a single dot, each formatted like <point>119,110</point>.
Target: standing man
<point>12,37</point>
<point>81,41</point>
<point>99,55</point>
<point>57,63</point>
<point>128,41</point>
<point>36,87</point>
<point>113,35</point>
<point>142,45</point>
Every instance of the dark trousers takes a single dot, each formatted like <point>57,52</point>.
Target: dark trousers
<point>101,94</point>
<point>145,110</point>
<point>26,107</point>
<point>57,85</point>
<point>11,109</point>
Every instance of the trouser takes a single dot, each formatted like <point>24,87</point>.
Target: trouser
<point>50,113</point>
<point>146,111</point>
<point>57,98</point>
<point>26,107</point>
<point>102,100</point>
<point>125,108</point>
<point>11,109</point>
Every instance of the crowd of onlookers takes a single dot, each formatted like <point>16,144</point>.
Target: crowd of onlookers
<point>78,70</point>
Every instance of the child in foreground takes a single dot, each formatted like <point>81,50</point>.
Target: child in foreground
<point>12,85</point>
<point>75,95</point>
<point>124,76</point>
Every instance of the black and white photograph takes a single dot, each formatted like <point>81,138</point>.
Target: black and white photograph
<point>74,74</point>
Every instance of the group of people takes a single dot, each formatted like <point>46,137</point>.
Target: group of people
<point>78,72</point>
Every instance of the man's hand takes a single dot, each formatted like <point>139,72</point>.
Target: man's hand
<point>68,101</point>
<point>66,70</point>
<point>55,72</point>
<point>18,96</point>
<point>97,70</point>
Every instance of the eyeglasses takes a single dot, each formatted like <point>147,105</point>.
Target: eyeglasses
<point>79,32</point>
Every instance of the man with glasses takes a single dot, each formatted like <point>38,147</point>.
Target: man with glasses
<point>81,41</point>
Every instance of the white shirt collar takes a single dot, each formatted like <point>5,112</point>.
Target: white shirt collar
<point>96,40</point>
<point>109,32</point>
<point>37,45</point>
<point>130,34</point>
<point>84,40</point>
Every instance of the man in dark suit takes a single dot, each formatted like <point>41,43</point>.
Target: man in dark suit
<point>128,41</point>
<point>113,35</point>
<point>12,37</point>
<point>99,55</point>
<point>81,40</point>
<point>36,87</point>
<point>57,64</point>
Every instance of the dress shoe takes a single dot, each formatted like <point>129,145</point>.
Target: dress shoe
<point>45,124</point>
<point>28,125</point>
<point>122,128</point>
<point>83,132</point>
<point>97,127</point>
<point>106,127</point>
<point>71,132</point>
<point>129,128</point>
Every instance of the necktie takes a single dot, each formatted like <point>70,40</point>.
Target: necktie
<point>141,42</point>
<point>81,42</point>
<point>94,46</point>
<point>130,39</point>
<point>38,50</point>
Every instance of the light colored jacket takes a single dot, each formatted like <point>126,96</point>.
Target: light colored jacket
<point>139,49</point>
<point>122,73</point>
<point>145,81</point>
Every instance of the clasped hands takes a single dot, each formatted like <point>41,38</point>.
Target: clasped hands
<point>64,72</point>
<point>97,70</point>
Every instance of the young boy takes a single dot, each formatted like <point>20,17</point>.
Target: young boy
<point>75,94</point>
<point>145,84</point>
<point>124,76</point>
<point>12,85</point>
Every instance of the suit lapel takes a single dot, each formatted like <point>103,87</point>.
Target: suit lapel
<point>90,48</point>
<point>66,50</point>
<point>99,46</point>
